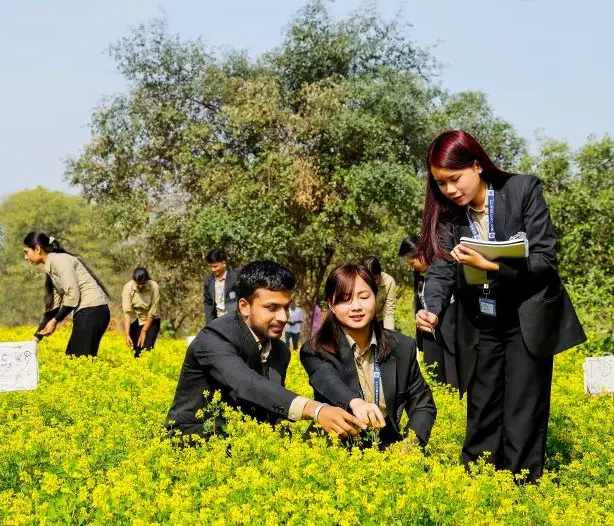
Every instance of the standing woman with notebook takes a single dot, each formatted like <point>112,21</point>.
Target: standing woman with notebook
<point>505,332</point>
<point>70,287</point>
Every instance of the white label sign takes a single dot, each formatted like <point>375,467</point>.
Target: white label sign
<point>18,366</point>
<point>599,374</point>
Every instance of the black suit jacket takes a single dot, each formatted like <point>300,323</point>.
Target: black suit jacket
<point>225,357</point>
<point>230,296</point>
<point>548,322</point>
<point>335,381</point>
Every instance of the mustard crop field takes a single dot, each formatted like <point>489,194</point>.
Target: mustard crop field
<point>89,447</point>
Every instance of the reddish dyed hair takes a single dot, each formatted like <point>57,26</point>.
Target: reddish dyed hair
<point>453,150</point>
<point>339,287</point>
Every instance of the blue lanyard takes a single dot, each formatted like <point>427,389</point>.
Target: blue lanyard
<point>491,217</point>
<point>377,378</point>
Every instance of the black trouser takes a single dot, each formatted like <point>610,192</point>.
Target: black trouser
<point>508,403</point>
<point>439,361</point>
<point>150,336</point>
<point>294,338</point>
<point>88,327</point>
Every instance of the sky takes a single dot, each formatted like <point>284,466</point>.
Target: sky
<point>545,64</point>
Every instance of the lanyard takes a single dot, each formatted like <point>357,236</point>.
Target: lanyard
<point>377,378</point>
<point>491,217</point>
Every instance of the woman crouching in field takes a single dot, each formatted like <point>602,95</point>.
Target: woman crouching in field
<point>70,287</point>
<point>141,301</point>
<point>354,364</point>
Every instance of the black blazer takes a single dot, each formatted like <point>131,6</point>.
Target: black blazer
<point>225,357</point>
<point>421,336</point>
<point>230,295</point>
<point>548,322</point>
<point>418,282</point>
<point>335,381</point>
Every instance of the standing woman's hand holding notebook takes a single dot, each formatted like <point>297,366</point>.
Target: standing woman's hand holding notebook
<point>492,250</point>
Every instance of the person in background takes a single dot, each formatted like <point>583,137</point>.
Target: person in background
<point>386,302</point>
<point>293,327</point>
<point>317,317</point>
<point>141,301</point>
<point>354,363</point>
<point>219,295</point>
<point>241,356</point>
<point>436,356</point>
<point>507,330</point>
<point>70,287</point>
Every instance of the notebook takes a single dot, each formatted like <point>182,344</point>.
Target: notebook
<point>491,250</point>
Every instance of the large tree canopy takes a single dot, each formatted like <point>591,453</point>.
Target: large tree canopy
<point>310,154</point>
<point>579,189</point>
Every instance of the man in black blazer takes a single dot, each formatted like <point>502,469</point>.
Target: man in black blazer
<point>219,295</point>
<point>241,356</point>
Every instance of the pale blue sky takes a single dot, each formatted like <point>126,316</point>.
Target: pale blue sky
<point>545,64</point>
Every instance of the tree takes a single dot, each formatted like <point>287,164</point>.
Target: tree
<point>471,112</point>
<point>310,155</point>
<point>580,193</point>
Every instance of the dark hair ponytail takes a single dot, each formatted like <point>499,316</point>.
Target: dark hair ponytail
<point>409,247</point>
<point>48,244</point>
<point>52,246</point>
<point>373,264</point>
<point>140,275</point>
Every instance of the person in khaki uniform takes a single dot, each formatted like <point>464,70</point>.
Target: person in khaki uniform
<point>70,287</point>
<point>141,301</point>
<point>386,300</point>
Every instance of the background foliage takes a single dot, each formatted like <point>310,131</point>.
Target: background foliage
<point>311,154</point>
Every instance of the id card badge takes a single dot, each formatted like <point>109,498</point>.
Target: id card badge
<point>488,307</point>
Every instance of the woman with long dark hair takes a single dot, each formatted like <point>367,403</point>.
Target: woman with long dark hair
<point>355,364</point>
<point>70,287</point>
<point>506,330</point>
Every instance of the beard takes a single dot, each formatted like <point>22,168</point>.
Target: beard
<point>262,332</point>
